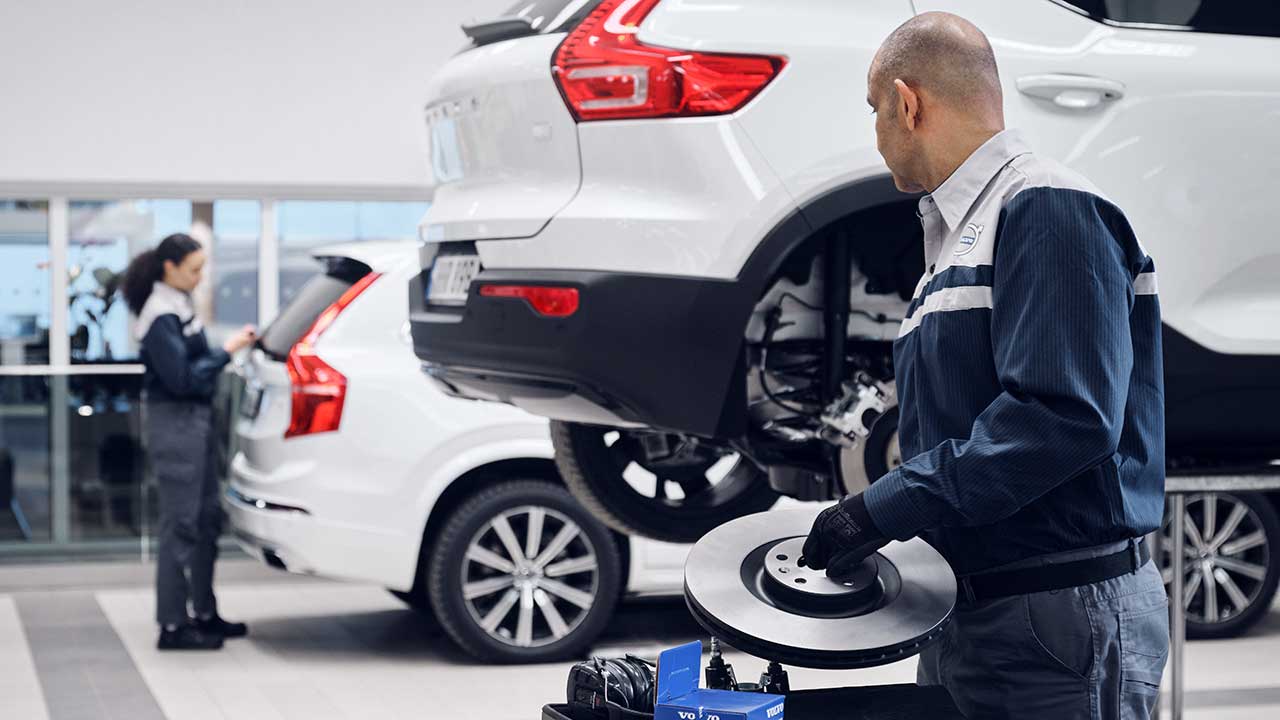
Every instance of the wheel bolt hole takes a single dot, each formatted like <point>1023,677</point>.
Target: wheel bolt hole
<point>782,570</point>
<point>800,581</point>
<point>782,558</point>
<point>800,561</point>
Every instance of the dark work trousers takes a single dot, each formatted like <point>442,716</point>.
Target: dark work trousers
<point>183,452</point>
<point>1094,652</point>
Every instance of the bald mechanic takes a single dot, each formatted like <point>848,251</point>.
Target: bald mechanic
<point>1032,403</point>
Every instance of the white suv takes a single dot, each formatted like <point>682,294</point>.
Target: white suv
<point>665,225</point>
<point>351,465</point>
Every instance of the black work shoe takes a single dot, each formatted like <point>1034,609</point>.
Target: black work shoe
<point>217,626</point>
<point>188,637</point>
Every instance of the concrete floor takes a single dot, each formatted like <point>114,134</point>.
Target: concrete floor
<point>77,641</point>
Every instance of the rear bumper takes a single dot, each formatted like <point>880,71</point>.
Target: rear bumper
<point>281,530</point>
<point>654,350</point>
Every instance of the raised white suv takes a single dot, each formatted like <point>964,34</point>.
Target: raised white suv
<point>665,225</point>
<point>351,465</point>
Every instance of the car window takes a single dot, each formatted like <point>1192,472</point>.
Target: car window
<point>1234,17</point>
<point>317,294</point>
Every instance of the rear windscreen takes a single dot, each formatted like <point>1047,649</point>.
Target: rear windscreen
<point>318,293</point>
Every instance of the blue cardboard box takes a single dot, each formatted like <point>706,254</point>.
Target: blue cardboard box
<point>680,697</point>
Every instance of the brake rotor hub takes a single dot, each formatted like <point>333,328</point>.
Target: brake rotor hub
<point>802,590</point>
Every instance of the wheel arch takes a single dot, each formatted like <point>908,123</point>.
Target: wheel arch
<point>809,220</point>
<point>485,475</point>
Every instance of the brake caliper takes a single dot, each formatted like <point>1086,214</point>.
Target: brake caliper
<point>850,418</point>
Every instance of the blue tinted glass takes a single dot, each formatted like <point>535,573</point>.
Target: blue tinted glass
<point>24,283</point>
<point>306,225</point>
<point>234,276</point>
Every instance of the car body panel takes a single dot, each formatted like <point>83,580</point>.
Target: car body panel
<point>503,146</point>
<point>1197,190</point>
<point>673,197</point>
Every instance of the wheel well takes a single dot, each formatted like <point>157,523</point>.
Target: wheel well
<point>1274,497</point>
<point>865,207</point>
<point>885,244</point>
<point>488,475</point>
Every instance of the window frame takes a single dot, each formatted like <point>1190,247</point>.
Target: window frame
<point>1123,24</point>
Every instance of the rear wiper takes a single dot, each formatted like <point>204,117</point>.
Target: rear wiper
<point>484,32</point>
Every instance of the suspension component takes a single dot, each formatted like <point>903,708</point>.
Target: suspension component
<point>850,418</point>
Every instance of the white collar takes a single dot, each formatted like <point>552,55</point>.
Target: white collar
<point>957,194</point>
<point>164,300</point>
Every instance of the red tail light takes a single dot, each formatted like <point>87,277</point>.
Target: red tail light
<point>318,390</point>
<point>605,73</point>
<point>549,301</point>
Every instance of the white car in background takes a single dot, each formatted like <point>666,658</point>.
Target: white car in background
<point>350,464</point>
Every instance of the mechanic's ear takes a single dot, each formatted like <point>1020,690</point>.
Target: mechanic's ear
<point>908,104</point>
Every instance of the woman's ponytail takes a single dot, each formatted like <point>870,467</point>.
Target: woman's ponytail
<point>147,268</point>
<point>144,270</point>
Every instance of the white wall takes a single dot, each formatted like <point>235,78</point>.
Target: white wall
<point>191,98</point>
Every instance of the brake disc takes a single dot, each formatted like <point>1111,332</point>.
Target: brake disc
<point>744,583</point>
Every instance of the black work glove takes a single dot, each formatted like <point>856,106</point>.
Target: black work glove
<point>842,537</point>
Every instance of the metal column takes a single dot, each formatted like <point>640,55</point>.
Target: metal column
<point>1178,610</point>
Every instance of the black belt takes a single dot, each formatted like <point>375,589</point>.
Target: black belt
<point>989,586</point>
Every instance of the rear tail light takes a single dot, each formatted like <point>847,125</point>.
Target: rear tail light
<point>318,390</point>
<point>605,73</point>
<point>545,300</point>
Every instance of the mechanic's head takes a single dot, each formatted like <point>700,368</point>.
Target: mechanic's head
<point>935,91</point>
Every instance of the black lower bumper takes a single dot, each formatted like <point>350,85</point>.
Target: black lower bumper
<point>660,351</point>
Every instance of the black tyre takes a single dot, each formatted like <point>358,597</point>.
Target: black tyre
<point>882,451</point>
<point>1231,563</point>
<point>655,485</point>
<point>523,573</point>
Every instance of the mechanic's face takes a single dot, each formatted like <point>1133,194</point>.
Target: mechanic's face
<point>894,139</point>
<point>185,275</point>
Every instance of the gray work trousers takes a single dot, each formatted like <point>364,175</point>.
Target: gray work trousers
<point>1094,652</point>
<point>182,448</point>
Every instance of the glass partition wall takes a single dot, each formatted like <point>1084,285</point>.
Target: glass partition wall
<point>73,471</point>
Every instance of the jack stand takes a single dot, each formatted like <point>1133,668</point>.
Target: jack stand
<point>719,673</point>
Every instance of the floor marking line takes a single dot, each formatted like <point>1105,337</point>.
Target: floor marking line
<point>84,670</point>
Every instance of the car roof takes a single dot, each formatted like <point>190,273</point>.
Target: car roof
<point>379,255</point>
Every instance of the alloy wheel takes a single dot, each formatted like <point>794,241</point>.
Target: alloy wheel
<point>1225,558</point>
<point>530,576</point>
<point>678,472</point>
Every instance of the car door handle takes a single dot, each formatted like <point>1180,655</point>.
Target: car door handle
<point>1073,92</point>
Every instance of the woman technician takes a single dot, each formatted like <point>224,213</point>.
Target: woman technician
<point>178,386</point>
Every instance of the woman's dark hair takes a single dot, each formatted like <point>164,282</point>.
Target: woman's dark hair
<point>147,268</point>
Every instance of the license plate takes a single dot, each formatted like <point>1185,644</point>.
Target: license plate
<point>251,400</point>
<point>451,277</point>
